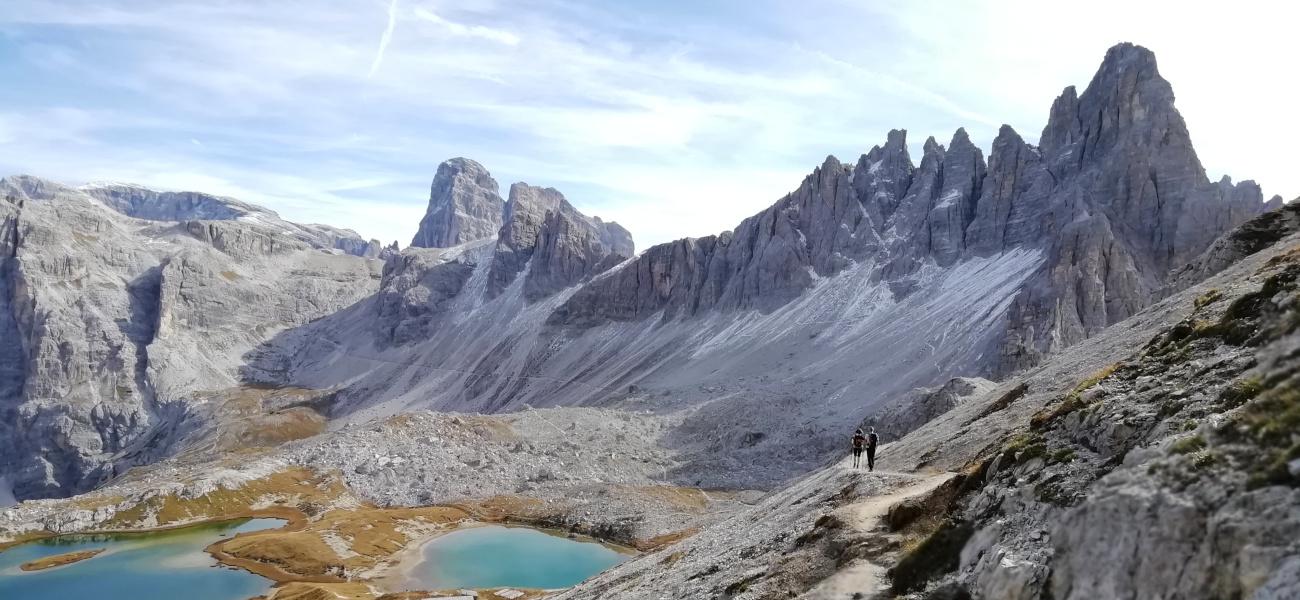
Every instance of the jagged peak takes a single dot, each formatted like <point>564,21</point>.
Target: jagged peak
<point>464,205</point>
<point>1127,55</point>
<point>960,138</point>
<point>544,197</point>
<point>460,163</point>
<point>895,143</point>
<point>1007,133</point>
<point>932,146</point>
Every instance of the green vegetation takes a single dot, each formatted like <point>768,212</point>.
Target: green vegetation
<point>1188,445</point>
<point>1209,297</point>
<point>1096,378</point>
<point>1064,455</point>
<point>1241,391</point>
<point>1073,401</point>
<point>1272,421</point>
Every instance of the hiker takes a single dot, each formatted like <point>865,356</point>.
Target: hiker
<point>872,440</point>
<point>859,441</point>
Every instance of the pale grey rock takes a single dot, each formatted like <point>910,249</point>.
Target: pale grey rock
<point>768,260</point>
<point>559,245</point>
<point>882,176</point>
<point>907,232</point>
<point>1252,236</point>
<point>1284,583</point>
<point>116,321</point>
<point>153,205</point>
<point>1012,200</point>
<point>144,203</point>
<point>1129,199</point>
<point>464,205</point>
<point>954,207</point>
<point>418,287</point>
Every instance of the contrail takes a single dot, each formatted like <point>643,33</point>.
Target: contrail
<point>384,39</point>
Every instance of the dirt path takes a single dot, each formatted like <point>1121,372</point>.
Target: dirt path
<point>863,578</point>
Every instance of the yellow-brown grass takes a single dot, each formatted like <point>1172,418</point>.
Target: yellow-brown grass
<point>49,562</point>
<point>373,535</point>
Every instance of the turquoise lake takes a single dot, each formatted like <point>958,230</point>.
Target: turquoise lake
<point>495,556</point>
<point>162,565</point>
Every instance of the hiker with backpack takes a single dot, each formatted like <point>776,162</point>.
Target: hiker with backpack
<point>872,441</point>
<point>866,442</point>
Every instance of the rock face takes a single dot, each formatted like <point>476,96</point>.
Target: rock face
<point>153,205</point>
<point>560,245</point>
<point>1148,461</point>
<point>110,323</point>
<point>1115,198</point>
<point>1126,199</point>
<point>464,205</point>
<point>869,280</point>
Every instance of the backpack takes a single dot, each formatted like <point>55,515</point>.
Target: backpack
<point>872,439</point>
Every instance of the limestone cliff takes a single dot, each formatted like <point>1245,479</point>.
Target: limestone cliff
<point>464,206</point>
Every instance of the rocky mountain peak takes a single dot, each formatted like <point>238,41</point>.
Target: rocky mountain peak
<point>464,205</point>
<point>562,245</point>
<point>1126,101</point>
<point>882,176</point>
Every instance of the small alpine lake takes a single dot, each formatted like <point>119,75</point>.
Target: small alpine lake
<point>497,556</point>
<point>156,564</point>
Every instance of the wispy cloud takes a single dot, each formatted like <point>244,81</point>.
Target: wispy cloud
<point>500,36</point>
<point>384,39</point>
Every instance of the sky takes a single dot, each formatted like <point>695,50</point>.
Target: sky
<point>674,118</point>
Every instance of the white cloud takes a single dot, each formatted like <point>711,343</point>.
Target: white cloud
<point>499,36</point>
<point>384,39</point>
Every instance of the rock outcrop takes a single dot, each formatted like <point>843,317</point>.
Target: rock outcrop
<point>464,206</point>
<point>1115,197</point>
<point>1126,202</point>
<point>559,245</point>
<point>869,280</point>
<point>110,323</point>
<point>187,207</point>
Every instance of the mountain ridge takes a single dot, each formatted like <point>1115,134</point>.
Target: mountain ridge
<point>868,280</point>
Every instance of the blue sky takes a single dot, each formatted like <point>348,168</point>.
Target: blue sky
<point>673,118</point>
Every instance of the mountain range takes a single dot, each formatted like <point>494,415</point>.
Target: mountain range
<point>872,278</point>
